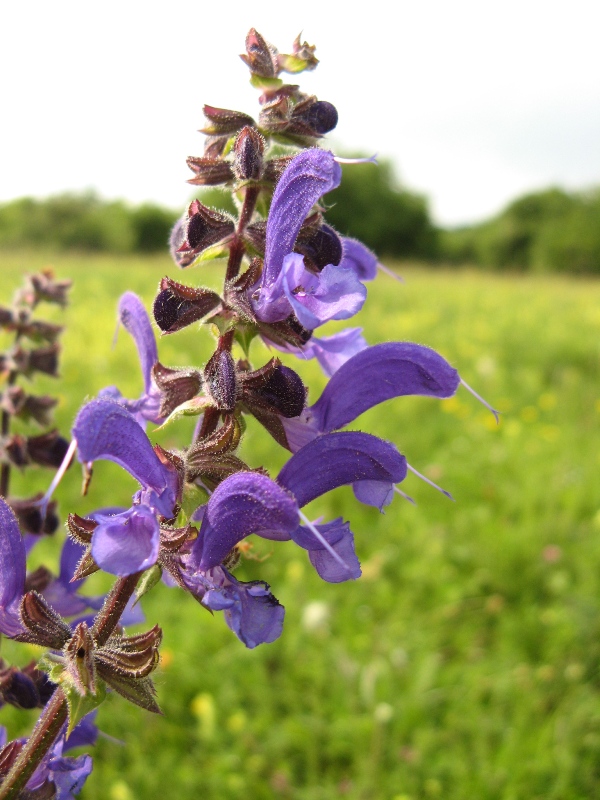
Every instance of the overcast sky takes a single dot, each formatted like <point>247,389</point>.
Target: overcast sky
<point>474,101</point>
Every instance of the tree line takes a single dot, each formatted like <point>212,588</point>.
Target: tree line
<point>546,231</point>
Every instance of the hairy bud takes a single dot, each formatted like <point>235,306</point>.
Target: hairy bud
<point>223,121</point>
<point>248,158</point>
<point>209,171</point>
<point>323,247</point>
<point>177,305</point>
<point>260,56</point>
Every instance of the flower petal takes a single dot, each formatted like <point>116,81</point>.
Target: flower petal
<point>358,258</point>
<point>127,542</point>
<point>251,611</point>
<point>335,293</point>
<point>379,373</point>
<point>136,321</point>
<point>12,571</point>
<point>310,175</point>
<point>338,459</point>
<point>104,429</point>
<point>338,534</point>
<point>333,351</point>
<point>244,503</point>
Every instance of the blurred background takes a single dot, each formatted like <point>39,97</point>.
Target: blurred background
<point>466,661</point>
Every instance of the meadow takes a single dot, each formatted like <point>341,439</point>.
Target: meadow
<point>465,663</point>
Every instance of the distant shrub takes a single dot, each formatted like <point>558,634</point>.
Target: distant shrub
<point>84,222</point>
<point>548,231</point>
<point>371,207</point>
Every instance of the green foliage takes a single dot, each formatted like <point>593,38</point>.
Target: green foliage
<point>368,205</point>
<point>465,662</point>
<point>549,231</point>
<point>84,222</point>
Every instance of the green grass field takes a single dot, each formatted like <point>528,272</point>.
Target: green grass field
<point>465,663</point>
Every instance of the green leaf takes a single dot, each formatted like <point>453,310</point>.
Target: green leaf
<point>215,253</point>
<point>149,580</point>
<point>140,691</point>
<point>292,64</point>
<point>80,705</point>
<point>193,496</point>
<point>265,83</point>
<point>191,408</point>
<point>244,334</point>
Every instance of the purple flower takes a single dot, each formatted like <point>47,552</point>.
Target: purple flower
<point>249,502</point>
<point>127,542</point>
<point>135,320</point>
<point>286,286</point>
<point>12,571</point>
<point>368,378</point>
<point>250,610</point>
<point>66,773</point>
<point>359,258</point>
<point>330,351</point>
<point>60,592</point>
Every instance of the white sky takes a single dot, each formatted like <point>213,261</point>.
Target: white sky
<point>475,101</point>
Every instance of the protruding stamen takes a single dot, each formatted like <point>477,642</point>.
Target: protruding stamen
<point>481,400</point>
<point>404,495</point>
<point>431,483</point>
<point>390,272</point>
<point>43,502</point>
<point>370,160</point>
<point>323,541</point>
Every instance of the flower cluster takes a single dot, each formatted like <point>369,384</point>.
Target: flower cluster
<point>287,273</point>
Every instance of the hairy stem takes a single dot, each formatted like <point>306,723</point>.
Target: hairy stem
<point>237,249</point>
<point>54,715</point>
<point>114,605</point>
<point>48,726</point>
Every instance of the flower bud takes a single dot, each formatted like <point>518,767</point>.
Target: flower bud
<point>199,229</point>
<point>276,388</point>
<point>176,385</point>
<point>223,121</point>
<point>48,449</point>
<point>220,380</point>
<point>313,117</point>
<point>248,158</point>
<point>322,248</point>
<point>28,513</point>
<point>177,305</point>
<point>209,171</point>
<point>260,56</point>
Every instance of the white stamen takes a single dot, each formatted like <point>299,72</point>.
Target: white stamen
<point>116,334</point>
<point>390,272</point>
<point>370,160</point>
<point>404,495</point>
<point>431,483</point>
<point>43,502</point>
<point>481,400</point>
<point>323,541</point>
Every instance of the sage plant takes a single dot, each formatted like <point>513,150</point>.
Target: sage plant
<point>287,273</point>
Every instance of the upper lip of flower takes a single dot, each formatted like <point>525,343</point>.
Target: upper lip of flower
<point>104,429</point>
<point>135,320</point>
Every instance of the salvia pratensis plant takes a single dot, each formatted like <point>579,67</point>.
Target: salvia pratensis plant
<point>287,273</point>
